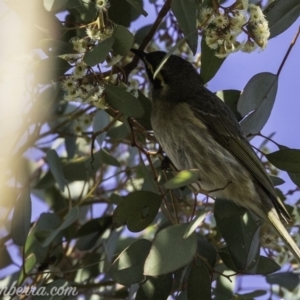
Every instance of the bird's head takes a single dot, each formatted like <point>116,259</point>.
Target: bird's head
<point>174,70</point>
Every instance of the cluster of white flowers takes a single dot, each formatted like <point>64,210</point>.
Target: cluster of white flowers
<point>102,5</point>
<point>223,26</point>
<point>82,122</point>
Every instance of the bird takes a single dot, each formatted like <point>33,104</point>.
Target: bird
<point>197,130</point>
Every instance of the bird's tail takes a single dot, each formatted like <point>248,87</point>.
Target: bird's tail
<point>273,218</point>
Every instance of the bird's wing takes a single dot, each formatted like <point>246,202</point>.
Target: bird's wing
<point>224,127</point>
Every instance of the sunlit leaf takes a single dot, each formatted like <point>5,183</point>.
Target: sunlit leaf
<point>183,178</point>
<point>194,224</point>
<point>55,5</point>
<point>170,251</point>
<point>128,267</point>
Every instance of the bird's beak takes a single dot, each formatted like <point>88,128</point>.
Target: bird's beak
<point>139,53</point>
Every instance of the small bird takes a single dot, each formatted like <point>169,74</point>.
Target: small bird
<point>197,130</point>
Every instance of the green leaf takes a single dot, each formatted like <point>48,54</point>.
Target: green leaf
<point>155,288</point>
<point>147,106</point>
<point>107,158</point>
<point>30,263</point>
<point>99,53</point>
<point>286,280</point>
<point>295,177</point>
<point>266,266</point>
<point>98,225</point>
<point>241,233</point>
<point>137,210</point>
<point>21,218</point>
<point>56,168</point>
<point>281,14</point>
<point>46,221</point>
<point>185,12</point>
<point>123,101</point>
<point>55,5</point>
<point>256,102</point>
<point>224,287</point>
<point>193,225</point>
<point>286,159</point>
<point>101,119</point>
<point>231,98</point>
<point>51,69</point>
<point>123,40</point>
<point>70,218</point>
<point>183,178</point>
<point>118,132</point>
<point>210,63</point>
<point>128,267</point>
<point>138,7</point>
<point>170,251</point>
<point>5,260</point>
<point>276,180</point>
<point>120,12</point>
<point>207,250</point>
<point>199,283</point>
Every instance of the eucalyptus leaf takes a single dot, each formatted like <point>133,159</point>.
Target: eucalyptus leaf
<point>70,218</point>
<point>56,168</point>
<point>137,210</point>
<point>101,119</point>
<point>210,63</point>
<point>123,40</point>
<point>199,283</point>
<point>281,14</point>
<point>5,260</point>
<point>183,178</point>
<point>123,101</point>
<point>194,224</point>
<point>154,288</point>
<point>256,102</point>
<point>55,5</point>
<point>99,53</point>
<point>241,233</point>
<point>170,251</point>
<point>231,98</point>
<point>128,267</point>
<point>185,12</point>
<point>266,266</point>
<point>288,280</point>
<point>285,159</point>
<point>138,7</point>
<point>107,158</point>
<point>21,218</point>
